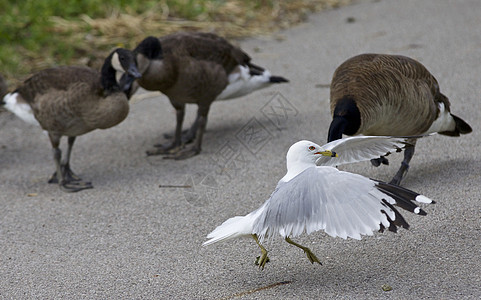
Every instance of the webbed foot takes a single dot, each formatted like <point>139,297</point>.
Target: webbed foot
<point>168,149</point>
<point>74,186</point>
<point>378,161</point>
<point>184,153</point>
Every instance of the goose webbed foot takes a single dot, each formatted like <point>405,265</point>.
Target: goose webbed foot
<point>187,137</point>
<point>378,161</point>
<point>70,182</point>
<point>163,149</point>
<point>184,153</point>
<point>74,186</point>
<point>68,175</point>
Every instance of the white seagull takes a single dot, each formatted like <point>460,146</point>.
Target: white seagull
<point>314,195</point>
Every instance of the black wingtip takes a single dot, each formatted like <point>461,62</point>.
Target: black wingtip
<point>403,197</point>
<point>277,79</point>
<point>422,212</point>
<point>461,126</point>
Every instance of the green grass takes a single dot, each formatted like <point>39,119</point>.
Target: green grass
<point>36,34</point>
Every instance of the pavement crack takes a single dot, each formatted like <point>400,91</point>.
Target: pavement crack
<point>270,286</point>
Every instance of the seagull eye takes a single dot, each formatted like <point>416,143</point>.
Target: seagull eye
<point>312,148</point>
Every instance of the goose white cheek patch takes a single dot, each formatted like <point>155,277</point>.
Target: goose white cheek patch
<point>116,63</point>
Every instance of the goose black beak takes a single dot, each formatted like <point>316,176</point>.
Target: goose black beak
<point>134,72</point>
<point>126,81</point>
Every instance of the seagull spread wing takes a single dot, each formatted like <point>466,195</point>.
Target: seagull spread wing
<point>361,148</point>
<point>323,198</point>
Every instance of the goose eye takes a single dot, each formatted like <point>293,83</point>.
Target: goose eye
<point>312,148</point>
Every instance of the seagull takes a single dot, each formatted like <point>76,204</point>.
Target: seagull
<point>314,195</point>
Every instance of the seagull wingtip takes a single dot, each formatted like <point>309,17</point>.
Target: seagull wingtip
<point>423,199</point>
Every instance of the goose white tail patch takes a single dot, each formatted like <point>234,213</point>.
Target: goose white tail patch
<point>423,199</point>
<point>417,210</point>
<point>444,122</point>
<point>22,110</point>
<point>241,83</point>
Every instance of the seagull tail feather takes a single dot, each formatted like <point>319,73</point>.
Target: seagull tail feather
<point>232,228</point>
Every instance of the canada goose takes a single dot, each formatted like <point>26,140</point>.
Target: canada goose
<point>196,68</point>
<point>314,195</point>
<point>378,94</point>
<point>71,101</point>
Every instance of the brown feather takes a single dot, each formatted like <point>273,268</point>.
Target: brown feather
<point>194,68</point>
<point>389,90</point>
<point>3,88</point>
<point>68,101</point>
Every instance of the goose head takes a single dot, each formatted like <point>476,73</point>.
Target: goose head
<point>119,63</point>
<point>149,49</point>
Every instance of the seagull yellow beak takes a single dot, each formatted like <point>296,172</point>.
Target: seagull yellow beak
<point>328,153</point>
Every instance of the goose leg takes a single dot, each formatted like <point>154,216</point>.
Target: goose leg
<point>65,166</point>
<point>408,154</point>
<point>176,144</point>
<point>262,259</point>
<point>188,135</point>
<point>67,180</point>
<point>195,148</point>
<point>312,258</point>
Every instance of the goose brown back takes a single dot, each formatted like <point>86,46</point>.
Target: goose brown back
<point>392,95</point>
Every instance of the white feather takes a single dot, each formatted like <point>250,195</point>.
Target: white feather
<point>311,198</point>
<point>241,83</point>
<point>423,199</point>
<point>360,148</point>
<point>444,122</point>
<point>233,228</point>
<point>22,110</point>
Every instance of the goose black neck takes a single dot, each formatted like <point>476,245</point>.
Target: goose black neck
<point>346,119</point>
<point>108,81</point>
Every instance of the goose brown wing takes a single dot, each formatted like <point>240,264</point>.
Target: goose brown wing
<point>205,46</point>
<point>59,78</point>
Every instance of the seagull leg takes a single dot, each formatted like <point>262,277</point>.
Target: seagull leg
<point>312,258</point>
<point>263,259</point>
<point>176,144</point>
<point>408,154</point>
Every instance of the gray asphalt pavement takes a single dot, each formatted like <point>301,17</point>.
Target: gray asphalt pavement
<point>128,238</point>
